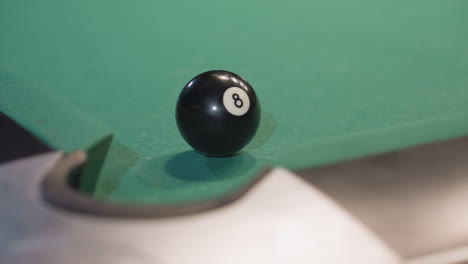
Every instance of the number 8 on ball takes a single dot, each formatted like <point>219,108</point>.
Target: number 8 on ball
<point>236,101</point>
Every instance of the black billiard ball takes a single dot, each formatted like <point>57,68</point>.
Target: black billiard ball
<point>218,113</point>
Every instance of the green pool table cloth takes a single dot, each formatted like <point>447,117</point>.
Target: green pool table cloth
<point>336,80</point>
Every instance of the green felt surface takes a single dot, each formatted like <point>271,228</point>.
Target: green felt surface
<point>336,79</point>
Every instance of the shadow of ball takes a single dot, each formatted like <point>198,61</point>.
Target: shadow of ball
<point>192,166</point>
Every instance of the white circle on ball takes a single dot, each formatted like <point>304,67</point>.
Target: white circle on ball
<point>236,101</point>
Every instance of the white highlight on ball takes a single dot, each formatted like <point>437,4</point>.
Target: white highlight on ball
<point>236,101</point>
